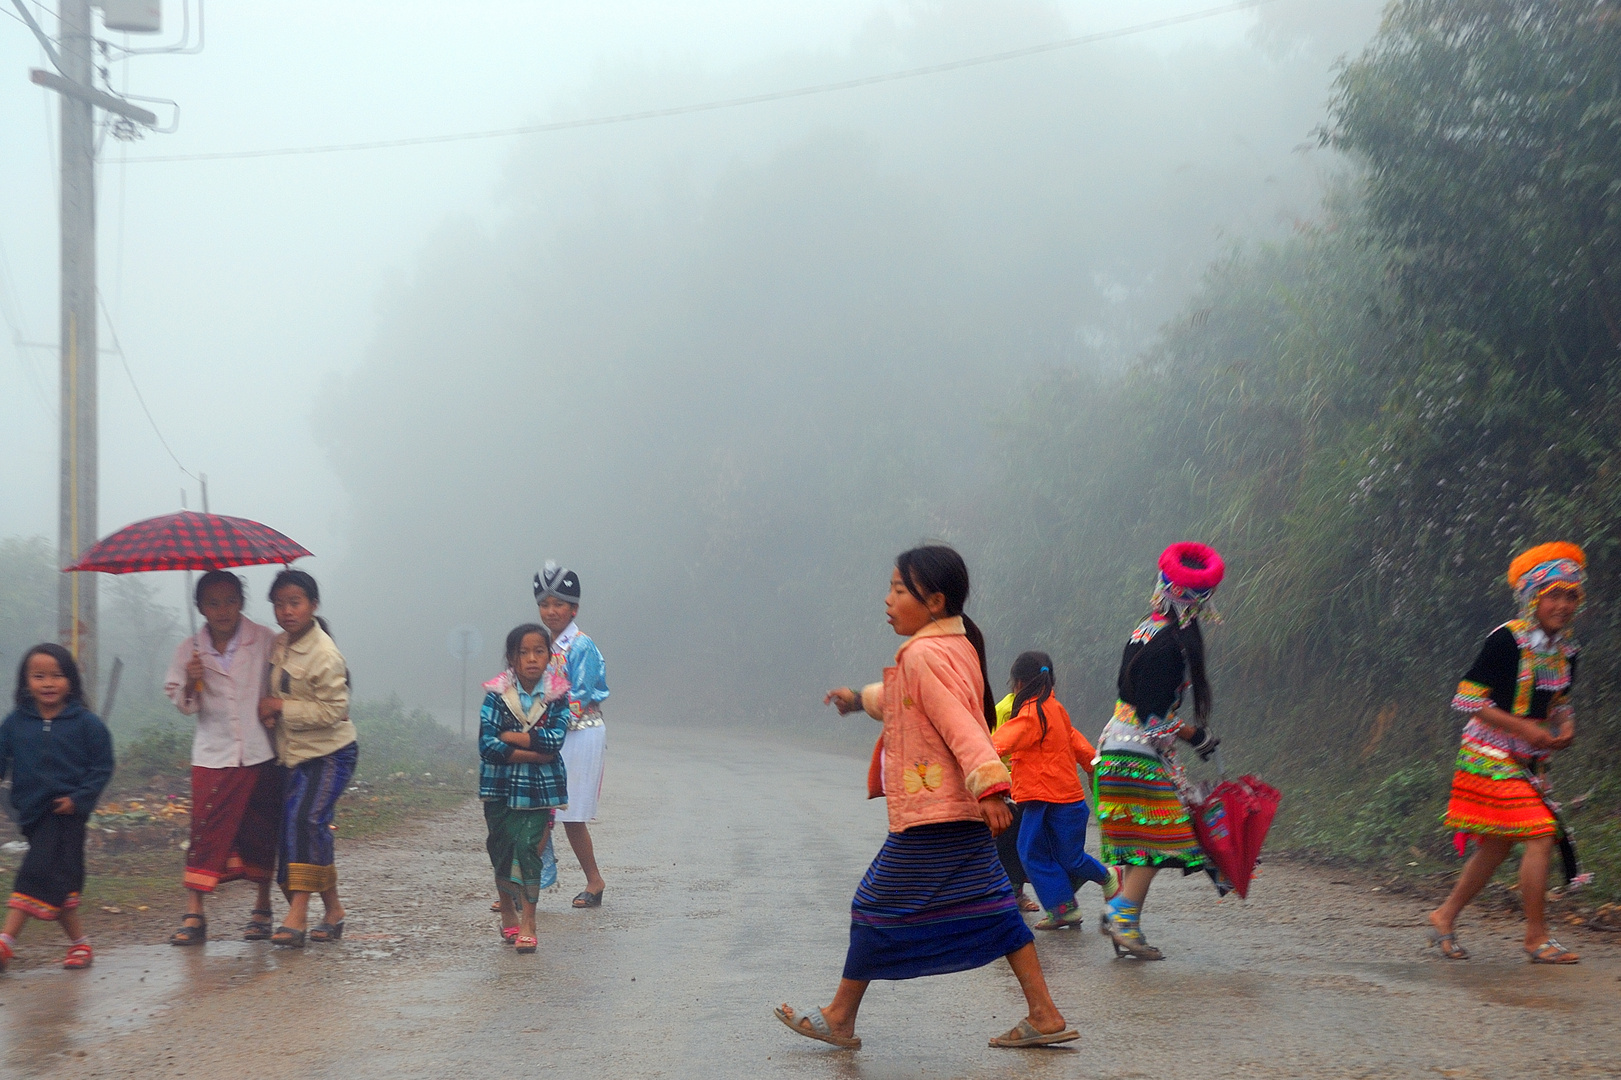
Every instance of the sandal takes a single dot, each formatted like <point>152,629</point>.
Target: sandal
<point>288,938</point>
<point>1111,886</point>
<point>188,934</point>
<point>257,929</point>
<point>509,934</point>
<point>495,906</point>
<point>589,899</point>
<point>1057,920</point>
<point>525,943</point>
<point>5,955</point>
<point>1027,1035</point>
<point>1120,925</point>
<point>79,956</point>
<point>818,1028</point>
<point>325,931</point>
<point>1448,944</point>
<point>1551,952</point>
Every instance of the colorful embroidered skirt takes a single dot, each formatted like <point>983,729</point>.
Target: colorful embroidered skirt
<point>52,874</point>
<point>519,843</point>
<point>233,824</point>
<point>1492,797</point>
<point>309,803</point>
<point>935,900</point>
<point>1142,821</point>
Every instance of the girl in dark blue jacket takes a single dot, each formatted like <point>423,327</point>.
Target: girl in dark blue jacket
<point>59,756</point>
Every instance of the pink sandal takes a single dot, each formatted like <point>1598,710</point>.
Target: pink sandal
<point>78,957</point>
<point>5,955</point>
<point>525,943</point>
<point>509,934</point>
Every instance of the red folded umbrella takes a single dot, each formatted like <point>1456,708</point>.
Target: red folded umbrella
<point>188,541</point>
<point>1231,825</point>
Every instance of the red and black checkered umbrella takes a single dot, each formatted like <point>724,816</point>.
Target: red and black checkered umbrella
<point>188,541</point>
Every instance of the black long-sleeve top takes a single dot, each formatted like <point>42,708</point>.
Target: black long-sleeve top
<point>1155,686</point>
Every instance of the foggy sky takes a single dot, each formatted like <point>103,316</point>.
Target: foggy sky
<point>259,301</point>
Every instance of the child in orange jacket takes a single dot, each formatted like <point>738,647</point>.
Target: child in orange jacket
<point>1047,755</point>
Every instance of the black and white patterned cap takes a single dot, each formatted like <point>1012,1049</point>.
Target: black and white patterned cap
<point>554,580</point>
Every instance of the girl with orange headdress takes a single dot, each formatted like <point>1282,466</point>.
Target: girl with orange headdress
<point>1517,698</point>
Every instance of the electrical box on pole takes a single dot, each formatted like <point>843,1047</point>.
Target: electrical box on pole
<point>132,16</point>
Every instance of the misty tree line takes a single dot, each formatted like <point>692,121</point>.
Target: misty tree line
<point>1370,418</point>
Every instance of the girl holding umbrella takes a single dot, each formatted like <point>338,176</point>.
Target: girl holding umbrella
<point>1142,791</point>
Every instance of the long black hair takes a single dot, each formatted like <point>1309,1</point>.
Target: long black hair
<point>1033,675</point>
<point>935,568</point>
<point>1189,641</point>
<point>64,660</point>
<point>515,640</point>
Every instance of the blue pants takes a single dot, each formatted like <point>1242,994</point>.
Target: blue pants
<point>1052,846</point>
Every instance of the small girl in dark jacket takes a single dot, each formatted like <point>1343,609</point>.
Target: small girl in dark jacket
<point>59,756</point>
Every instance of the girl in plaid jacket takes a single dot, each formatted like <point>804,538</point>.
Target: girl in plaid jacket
<point>522,781</point>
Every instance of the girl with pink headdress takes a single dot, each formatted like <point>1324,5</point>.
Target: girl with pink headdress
<point>1143,795</point>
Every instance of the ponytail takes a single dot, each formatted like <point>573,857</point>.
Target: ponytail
<point>1033,674</point>
<point>988,704</point>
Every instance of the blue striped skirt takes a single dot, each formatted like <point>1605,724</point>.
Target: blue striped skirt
<point>935,900</point>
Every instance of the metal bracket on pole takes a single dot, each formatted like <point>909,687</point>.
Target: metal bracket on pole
<point>95,97</point>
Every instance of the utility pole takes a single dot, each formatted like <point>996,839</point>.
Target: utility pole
<point>77,525</point>
<point>76,501</point>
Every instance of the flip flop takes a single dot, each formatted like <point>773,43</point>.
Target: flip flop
<point>1551,952</point>
<point>1448,944</point>
<point>818,1029</point>
<point>1027,1035</point>
<point>589,899</point>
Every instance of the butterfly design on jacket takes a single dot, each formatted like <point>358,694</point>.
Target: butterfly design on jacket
<point>923,774</point>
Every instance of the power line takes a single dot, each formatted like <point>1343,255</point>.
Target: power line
<point>723,103</point>
<point>124,361</point>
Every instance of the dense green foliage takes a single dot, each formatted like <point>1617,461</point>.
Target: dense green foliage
<point>1370,419</point>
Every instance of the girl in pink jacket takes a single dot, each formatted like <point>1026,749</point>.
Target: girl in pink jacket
<point>936,899</point>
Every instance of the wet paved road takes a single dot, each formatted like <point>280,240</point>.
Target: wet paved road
<point>730,864</point>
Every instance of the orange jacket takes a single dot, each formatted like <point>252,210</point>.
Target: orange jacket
<point>1044,768</point>
<point>935,760</point>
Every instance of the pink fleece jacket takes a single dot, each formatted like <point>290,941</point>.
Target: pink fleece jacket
<point>935,760</point>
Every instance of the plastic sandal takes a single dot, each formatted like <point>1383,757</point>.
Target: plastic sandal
<point>818,1028</point>
<point>1551,952</point>
<point>495,905</point>
<point>509,934</point>
<point>288,938</point>
<point>1448,944</point>
<point>1027,1035</point>
<point>525,943</point>
<point>5,955</point>
<point>78,957</point>
<point>325,931</point>
<point>257,929</point>
<point>589,899</point>
<point>188,934</point>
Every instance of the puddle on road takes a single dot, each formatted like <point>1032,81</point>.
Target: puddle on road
<point>49,1016</point>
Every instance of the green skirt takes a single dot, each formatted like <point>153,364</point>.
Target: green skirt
<point>517,843</point>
